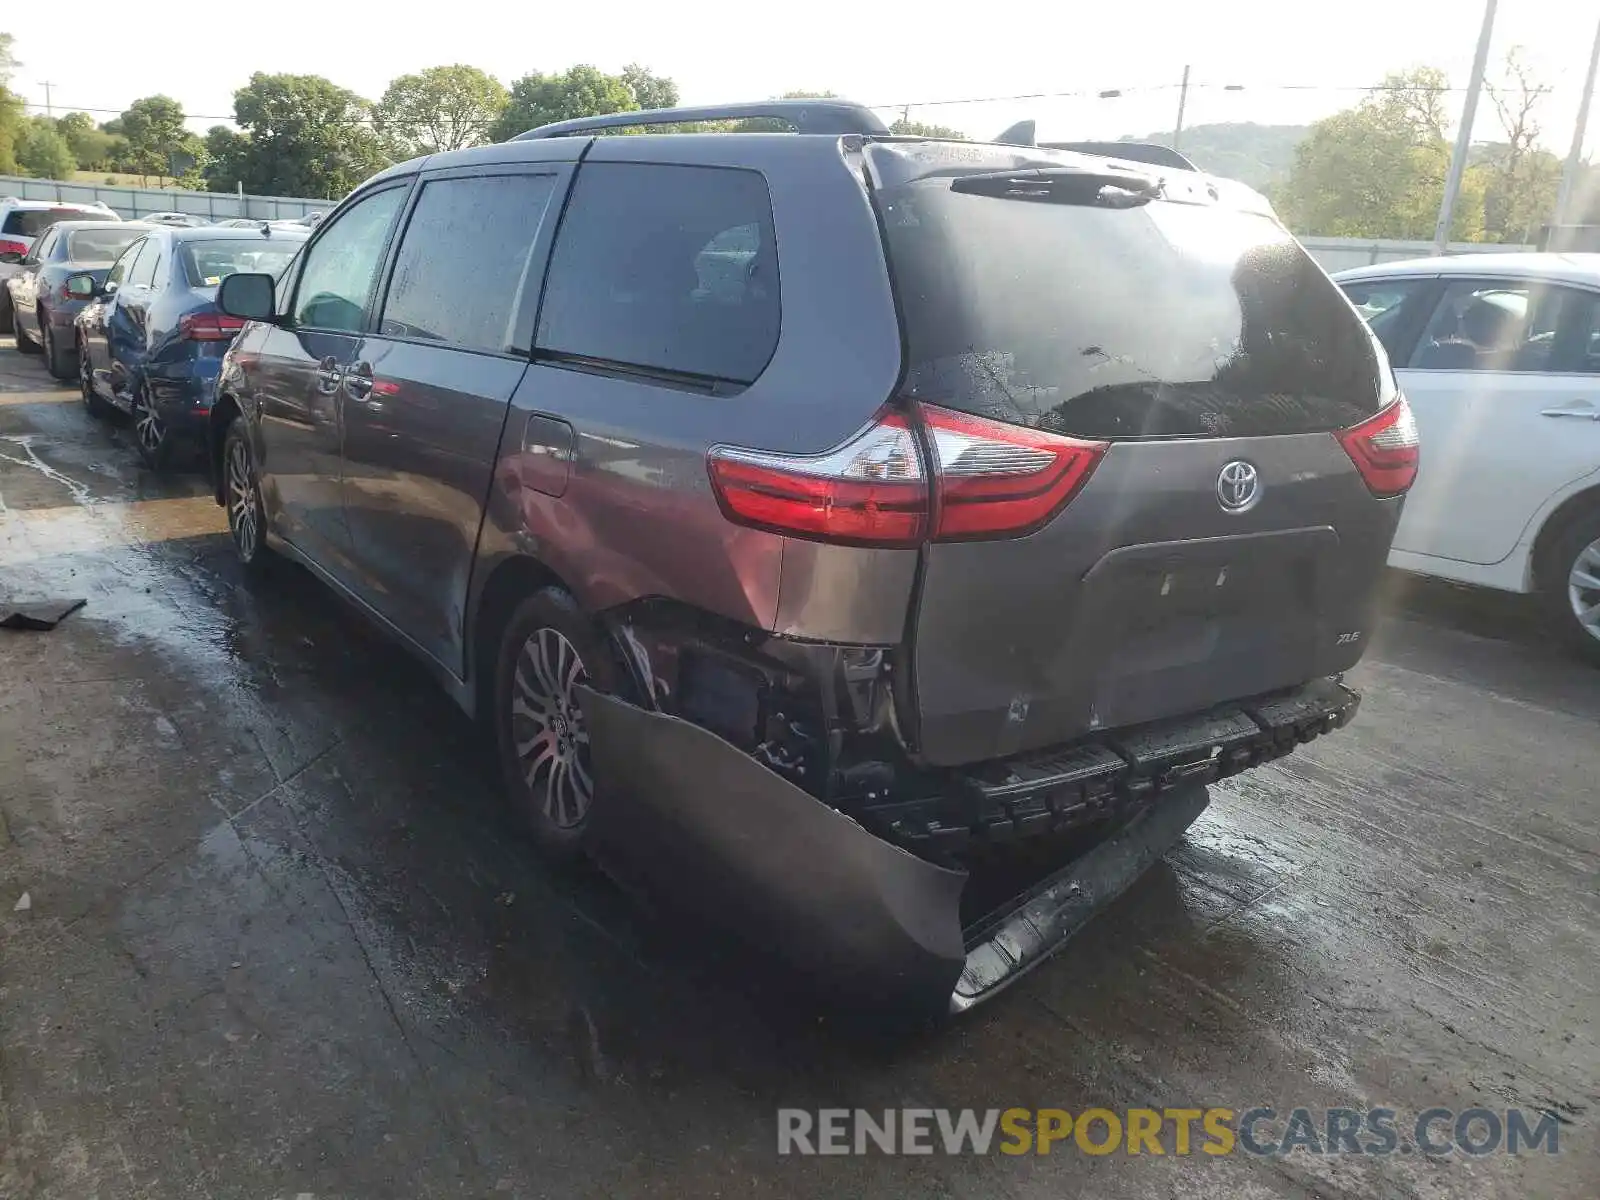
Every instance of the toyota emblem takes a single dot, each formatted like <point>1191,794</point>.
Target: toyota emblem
<point>1238,486</point>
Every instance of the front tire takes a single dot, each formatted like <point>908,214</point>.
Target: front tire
<point>56,360</point>
<point>241,490</point>
<point>1572,586</point>
<point>150,432</point>
<point>25,345</point>
<point>549,648</point>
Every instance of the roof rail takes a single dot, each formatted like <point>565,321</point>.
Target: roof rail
<point>807,116</point>
<point>1144,152</point>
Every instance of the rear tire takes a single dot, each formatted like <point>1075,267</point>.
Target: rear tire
<point>241,493</point>
<point>1572,585</point>
<point>57,361</point>
<point>7,324</point>
<point>92,401</point>
<point>24,344</point>
<point>150,432</point>
<point>548,648</point>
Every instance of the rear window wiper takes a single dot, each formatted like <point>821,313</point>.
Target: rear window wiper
<point>1063,186</point>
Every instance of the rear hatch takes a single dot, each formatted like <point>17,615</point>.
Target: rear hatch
<point>1212,535</point>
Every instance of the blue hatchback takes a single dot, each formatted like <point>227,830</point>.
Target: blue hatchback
<point>151,341</point>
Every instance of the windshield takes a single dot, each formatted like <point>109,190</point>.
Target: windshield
<point>1152,320</point>
<point>100,245</point>
<point>31,222</point>
<point>208,263</point>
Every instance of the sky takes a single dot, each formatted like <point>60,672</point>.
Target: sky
<point>720,51</point>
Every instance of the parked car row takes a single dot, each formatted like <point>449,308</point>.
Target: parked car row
<point>128,309</point>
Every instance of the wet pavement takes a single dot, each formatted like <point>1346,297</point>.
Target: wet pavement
<point>277,941</point>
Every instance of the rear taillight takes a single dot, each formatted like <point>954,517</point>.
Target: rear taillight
<point>208,327</point>
<point>989,480</point>
<point>12,246</point>
<point>869,491</point>
<point>1385,449</point>
<point>998,480</point>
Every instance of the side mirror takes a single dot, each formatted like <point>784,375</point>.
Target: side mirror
<point>82,286</point>
<point>248,295</point>
<point>11,256</point>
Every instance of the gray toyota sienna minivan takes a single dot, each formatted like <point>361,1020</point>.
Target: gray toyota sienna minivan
<point>822,518</point>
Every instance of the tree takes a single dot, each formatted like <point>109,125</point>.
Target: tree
<point>581,91</point>
<point>11,109</point>
<point>649,90</point>
<point>306,136</point>
<point>226,158</point>
<point>1378,169</point>
<point>155,133</point>
<point>441,108</point>
<point>1520,179</point>
<point>909,128</point>
<point>92,147</point>
<point>42,152</point>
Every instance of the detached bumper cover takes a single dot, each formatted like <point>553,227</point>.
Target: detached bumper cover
<point>711,831</point>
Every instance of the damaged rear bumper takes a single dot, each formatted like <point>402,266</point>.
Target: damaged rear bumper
<point>711,831</point>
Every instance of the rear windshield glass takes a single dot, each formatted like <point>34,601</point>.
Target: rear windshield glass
<point>31,222</point>
<point>100,245</point>
<point>1158,320</point>
<point>208,263</point>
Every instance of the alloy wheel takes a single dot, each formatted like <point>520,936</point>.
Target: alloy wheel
<point>243,511</point>
<point>147,425</point>
<point>547,727</point>
<point>1583,589</point>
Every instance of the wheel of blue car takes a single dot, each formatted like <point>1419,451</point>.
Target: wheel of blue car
<point>549,650</point>
<point>241,491</point>
<point>57,360</point>
<point>149,430</point>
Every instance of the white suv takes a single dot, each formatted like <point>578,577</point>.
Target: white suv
<point>21,223</point>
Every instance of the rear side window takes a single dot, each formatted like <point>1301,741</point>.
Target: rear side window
<point>31,222</point>
<point>463,260</point>
<point>1158,319</point>
<point>665,268</point>
<point>99,245</point>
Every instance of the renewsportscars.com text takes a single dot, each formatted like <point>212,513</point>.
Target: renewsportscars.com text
<point>1264,1132</point>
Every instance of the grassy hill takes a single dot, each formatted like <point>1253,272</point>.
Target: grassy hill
<point>1255,154</point>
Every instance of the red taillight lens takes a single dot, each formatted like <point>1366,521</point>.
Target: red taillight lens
<point>208,327</point>
<point>1385,449</point>
<point>999,480</point>
<point>12,246</point>
<point>870,491</point>
<point>990,480</point>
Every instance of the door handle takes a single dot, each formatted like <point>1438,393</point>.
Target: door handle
<point>329,375</point>
<point>1587,413</point>
<point>358,381</point>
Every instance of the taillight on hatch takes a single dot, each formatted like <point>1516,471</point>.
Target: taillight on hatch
<point>208,327</point>
<point>989,480</point>
<point>870,491</point>
<point>12,246</point>
<point>1385,449</point>
<point>999,480</point>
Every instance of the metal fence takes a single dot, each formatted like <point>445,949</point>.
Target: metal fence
<point>1338,254</point>
<point>132,203</point>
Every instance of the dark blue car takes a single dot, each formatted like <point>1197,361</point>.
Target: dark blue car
<point>152,341</point>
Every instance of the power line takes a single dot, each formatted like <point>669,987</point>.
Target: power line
<point>1115,93</point>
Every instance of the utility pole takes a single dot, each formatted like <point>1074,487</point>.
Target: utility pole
<point>1458,160</point>
<point>1569,176</point>
<point>1183,99</point>
<point>48,110</point>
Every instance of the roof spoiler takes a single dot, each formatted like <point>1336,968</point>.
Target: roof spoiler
<point>806,116</point>
<point>1143,152</point>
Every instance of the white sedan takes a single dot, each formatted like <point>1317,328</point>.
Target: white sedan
<point>1499,355</point>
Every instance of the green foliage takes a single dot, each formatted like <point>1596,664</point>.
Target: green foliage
<point>923,129</point>
<point>306,136</point>
<point>1259,155</point>
<point>649,90</point>
<point>155,134</point>
<point>11,110</point>
<point>92,147</point>
<point>226,158</point>
<point>441,108</point>
<point>772,125</point>
<point>42,152</point>
<point>1378,170</point>
<point>581,91</point>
